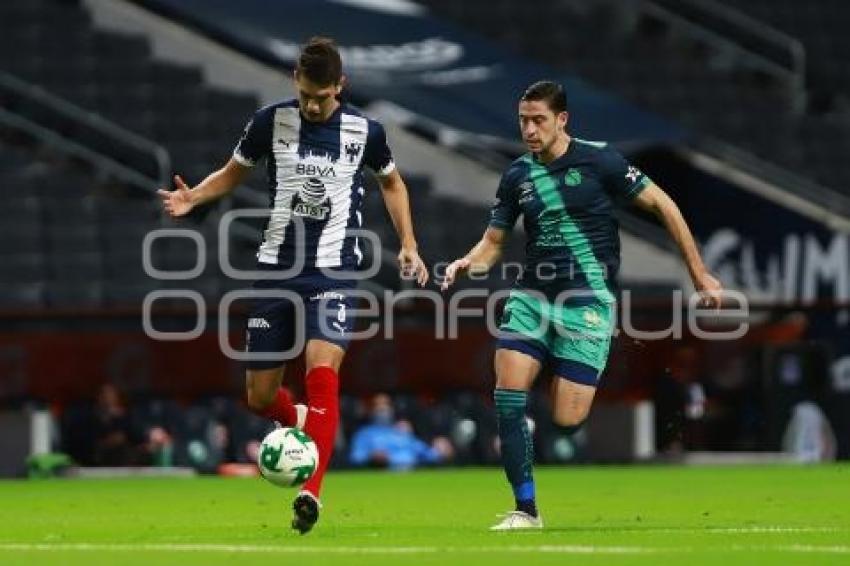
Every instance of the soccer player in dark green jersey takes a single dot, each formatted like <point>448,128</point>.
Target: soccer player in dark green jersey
<point>561,307</point>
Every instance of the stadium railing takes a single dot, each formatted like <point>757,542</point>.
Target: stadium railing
<point>131,157</point>
<point>763,46</point>
<point>746,169</point>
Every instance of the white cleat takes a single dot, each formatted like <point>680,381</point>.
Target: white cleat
<point>516,520</point>
<point>301,419</point>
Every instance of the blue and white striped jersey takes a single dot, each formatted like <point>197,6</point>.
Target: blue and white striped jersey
<point>315,172</point>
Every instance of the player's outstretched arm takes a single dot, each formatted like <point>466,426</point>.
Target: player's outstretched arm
<point>398,205</point>
<point>654,200</point>
<point>484,255</point>
<point>183,199</point>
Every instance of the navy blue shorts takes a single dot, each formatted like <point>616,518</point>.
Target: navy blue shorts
<point>277,324</point>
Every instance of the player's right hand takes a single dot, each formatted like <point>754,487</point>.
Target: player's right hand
<point>456,268</point>
<point>710,290</point>
<point>179,201</point>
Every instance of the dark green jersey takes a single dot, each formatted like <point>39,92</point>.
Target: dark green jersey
<point>568,213</point>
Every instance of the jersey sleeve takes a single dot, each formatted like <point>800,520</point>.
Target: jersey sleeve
<point>505,210</point>
<point>256,140</point>
<point>377,155</point>
<point>623,181</point>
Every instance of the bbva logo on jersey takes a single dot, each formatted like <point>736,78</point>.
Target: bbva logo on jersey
<point>311,201</point>
<point>313,170</point>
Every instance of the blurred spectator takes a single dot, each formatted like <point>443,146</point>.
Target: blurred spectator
<point>809,436</point>
<point>116,443</point>
<point>159,448</point>
<point>388,443</point>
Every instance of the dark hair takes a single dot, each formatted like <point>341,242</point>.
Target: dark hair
<point>550,92</point>
<point>320,62</point>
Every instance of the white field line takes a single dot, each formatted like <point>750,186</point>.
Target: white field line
<point>414,550</point>
<point>268,549</point>
<point>729,530</point>
<point>768,530</point>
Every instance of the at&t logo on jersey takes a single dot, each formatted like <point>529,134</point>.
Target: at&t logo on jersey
<point>311,202</point>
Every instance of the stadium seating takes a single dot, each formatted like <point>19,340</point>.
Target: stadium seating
<point>822,28</point>
<point>70,239</point>
<point>77,238</point>
<point>609,44</point>
<point>52,43</point>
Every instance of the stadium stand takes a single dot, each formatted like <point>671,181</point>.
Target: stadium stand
<point>651,62</point>
<point>78,239</point>
<point>71,240</point>
<point>466,418</point>
<point>821,26</point>
<point>52,43</point>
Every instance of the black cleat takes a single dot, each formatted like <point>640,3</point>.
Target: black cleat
<point>306,508</point>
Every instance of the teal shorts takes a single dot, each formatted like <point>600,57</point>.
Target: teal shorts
<point>577,339</point>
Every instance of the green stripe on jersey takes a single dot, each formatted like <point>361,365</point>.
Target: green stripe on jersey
<point>558,220</point>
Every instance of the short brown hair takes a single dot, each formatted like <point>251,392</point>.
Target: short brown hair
<point>550,92</point>
<point>320,62</point>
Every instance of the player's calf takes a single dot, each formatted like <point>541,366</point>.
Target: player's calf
<point>258,401</point>
<point>571,402</point>
<point>322,384</point>
<point>266,398</point>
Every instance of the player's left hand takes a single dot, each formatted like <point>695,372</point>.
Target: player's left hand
<point>412,266</point>
<point>710,290</point>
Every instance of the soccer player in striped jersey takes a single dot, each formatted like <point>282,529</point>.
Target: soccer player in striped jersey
<point>560,309</point>
<point>316,148</point>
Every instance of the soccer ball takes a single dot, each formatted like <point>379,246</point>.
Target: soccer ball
<point>288,457</point>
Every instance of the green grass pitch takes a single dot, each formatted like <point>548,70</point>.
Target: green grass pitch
<point>593,515</point>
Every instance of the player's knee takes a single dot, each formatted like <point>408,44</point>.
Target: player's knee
<point>570,419</point>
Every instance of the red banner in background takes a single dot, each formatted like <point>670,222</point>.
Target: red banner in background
<point>62,366</point>
<point>65,365</point>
